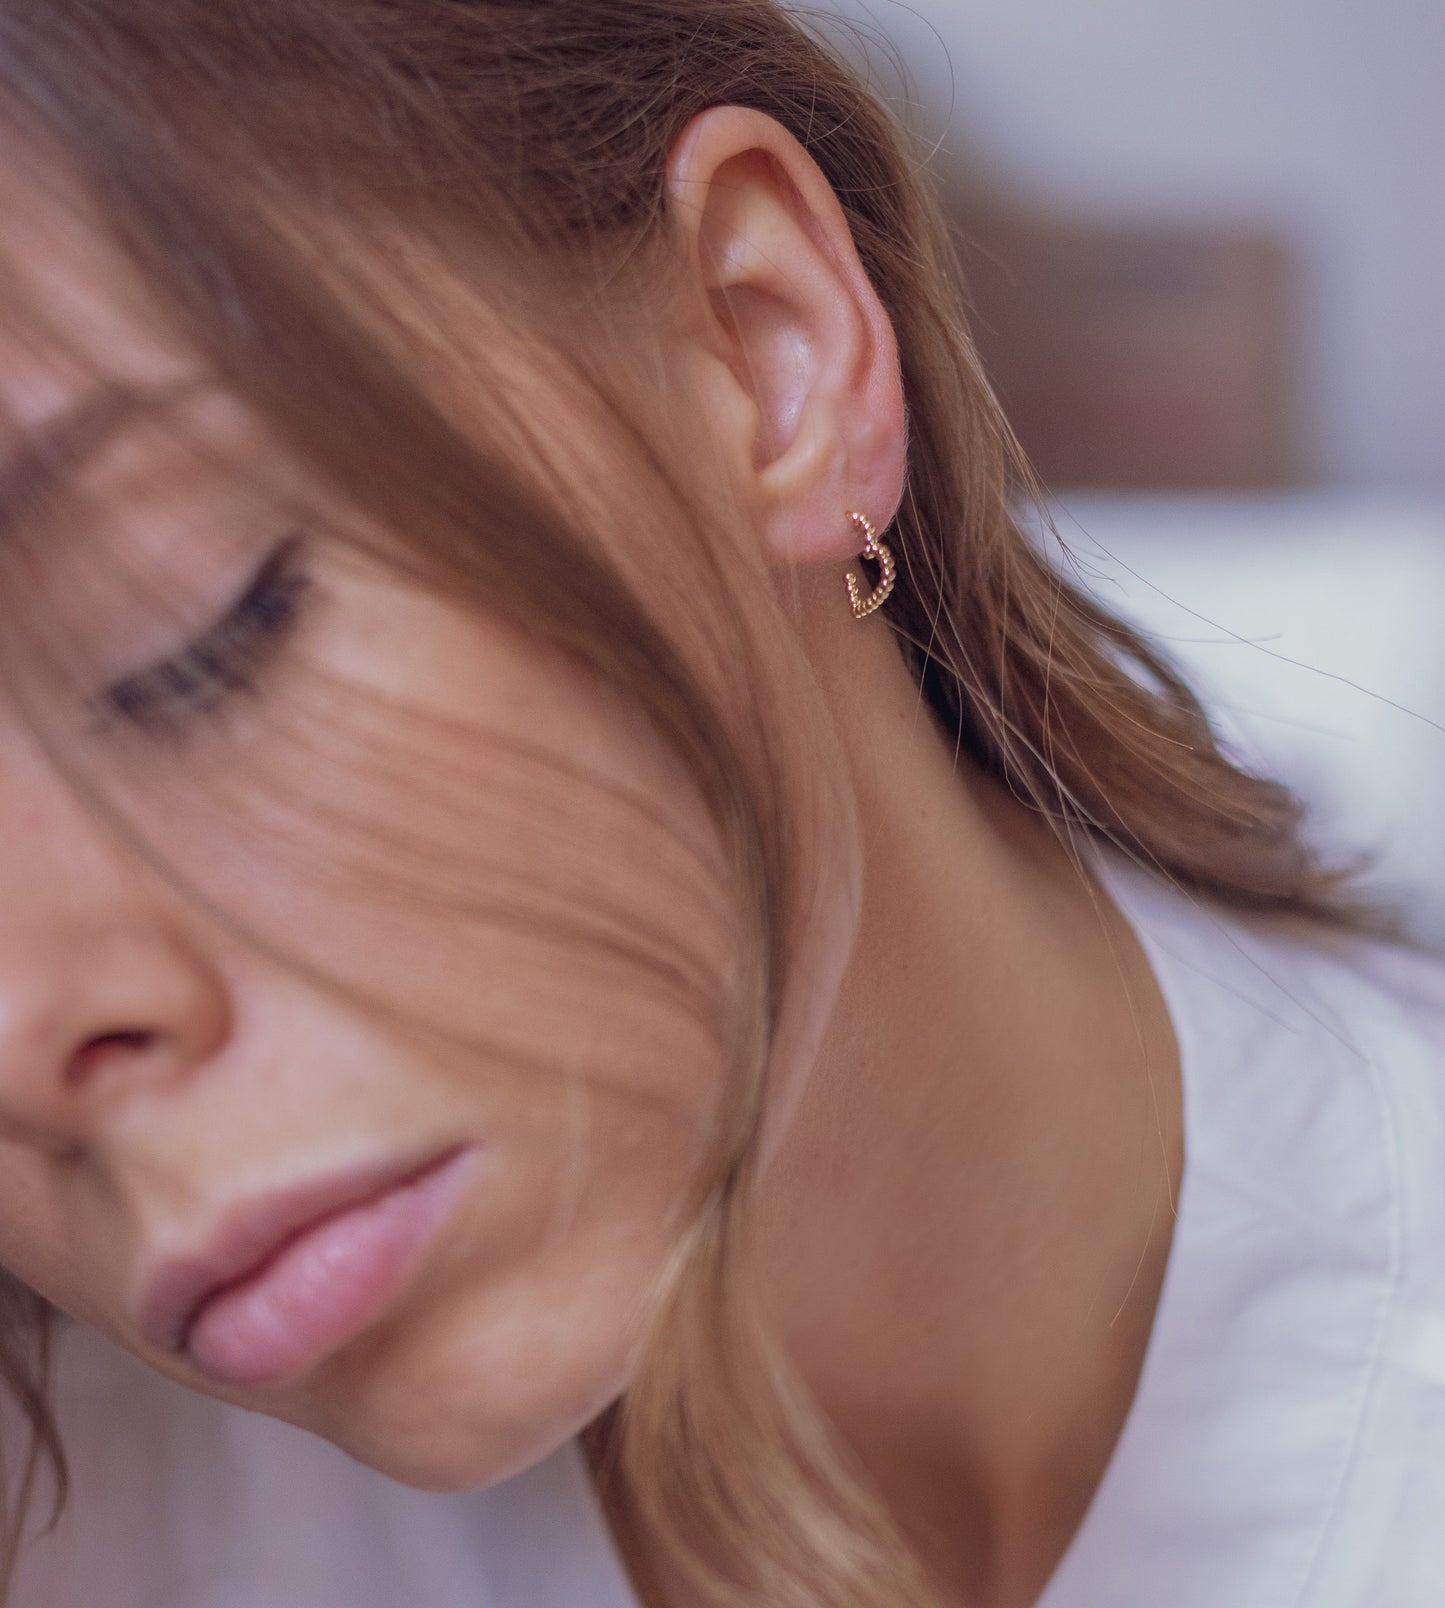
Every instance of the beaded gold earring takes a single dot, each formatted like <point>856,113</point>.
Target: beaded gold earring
<point>880,555</point>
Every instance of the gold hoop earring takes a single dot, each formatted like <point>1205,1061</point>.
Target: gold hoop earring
<point>883,557</point>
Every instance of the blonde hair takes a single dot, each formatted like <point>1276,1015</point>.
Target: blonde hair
<point>538,131</point>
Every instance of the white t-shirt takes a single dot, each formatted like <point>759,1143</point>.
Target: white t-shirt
<point>1285,1448</point>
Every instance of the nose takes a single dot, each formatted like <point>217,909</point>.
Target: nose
<point>90,1019</point>
<point>103,995</point>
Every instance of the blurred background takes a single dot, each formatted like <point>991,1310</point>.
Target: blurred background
<point>1205,242</point>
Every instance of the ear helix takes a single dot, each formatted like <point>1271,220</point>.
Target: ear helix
<point>881,555</point>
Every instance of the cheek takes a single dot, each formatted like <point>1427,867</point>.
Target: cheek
<point>453,825</point>
<point>38,1242</point>
<point>525,1321</point>
<point>531,1325</point>
<point>500,859</point>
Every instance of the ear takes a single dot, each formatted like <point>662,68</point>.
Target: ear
<point>797,357</point>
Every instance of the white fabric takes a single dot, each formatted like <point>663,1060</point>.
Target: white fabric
<point>1286,1447</point>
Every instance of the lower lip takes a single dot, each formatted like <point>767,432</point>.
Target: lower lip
<point>328,1284</point>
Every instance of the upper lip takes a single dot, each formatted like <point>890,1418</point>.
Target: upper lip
<point>248,1234</point>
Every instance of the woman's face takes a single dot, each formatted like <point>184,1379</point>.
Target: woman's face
<point>360,1036</point>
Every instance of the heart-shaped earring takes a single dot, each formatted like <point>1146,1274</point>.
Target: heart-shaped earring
<point>883,557</point>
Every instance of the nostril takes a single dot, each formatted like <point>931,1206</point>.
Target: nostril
<point>126,1044</point>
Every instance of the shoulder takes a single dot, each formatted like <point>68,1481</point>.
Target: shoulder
<point>1286,1441</point>
<point>1266,984</point>
<point>1401,992</point>
<point>1314,1063</point>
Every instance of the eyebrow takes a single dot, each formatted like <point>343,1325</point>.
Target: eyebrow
<point>64,444</point>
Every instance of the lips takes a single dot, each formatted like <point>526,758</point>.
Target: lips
<point>286,1278</point>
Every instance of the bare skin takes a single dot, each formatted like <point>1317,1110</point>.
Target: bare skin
<point>996,1126</point>
<point>977,1140</point>
<point>968,1223</point>
<point>966,1230</point>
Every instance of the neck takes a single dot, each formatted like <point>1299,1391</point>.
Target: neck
<point>964,1234</point>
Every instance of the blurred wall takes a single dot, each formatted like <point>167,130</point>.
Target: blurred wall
<point>1324,119</point>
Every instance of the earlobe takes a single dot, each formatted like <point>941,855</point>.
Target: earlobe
<point>812,412</point>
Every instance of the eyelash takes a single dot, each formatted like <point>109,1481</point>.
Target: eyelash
<point>223,663</point>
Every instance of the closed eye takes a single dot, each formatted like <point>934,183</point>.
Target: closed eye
<point>221,665</point>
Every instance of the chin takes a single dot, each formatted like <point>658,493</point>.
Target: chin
<point>453,1417</point>
<point>452,1463</point>
<point>455,1453</point>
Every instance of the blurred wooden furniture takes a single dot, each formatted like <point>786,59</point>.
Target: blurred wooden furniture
<point>1133,355</point>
